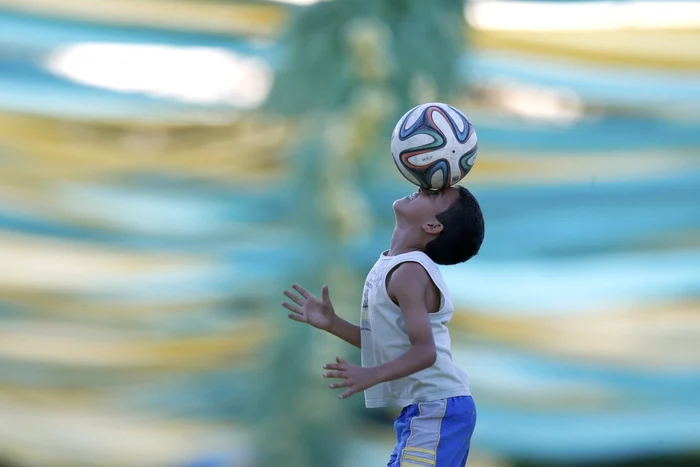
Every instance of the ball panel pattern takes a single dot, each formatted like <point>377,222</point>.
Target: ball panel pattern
<point>434,145</point>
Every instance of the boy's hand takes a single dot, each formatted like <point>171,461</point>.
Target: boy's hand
<point>319,313</point>
<point>354,377</point>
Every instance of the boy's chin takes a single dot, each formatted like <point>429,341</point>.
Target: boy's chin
<point>400,204</point>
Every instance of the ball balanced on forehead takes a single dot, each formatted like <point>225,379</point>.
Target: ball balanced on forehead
<point>434,145</point>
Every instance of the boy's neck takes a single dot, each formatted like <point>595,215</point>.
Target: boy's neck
<point>401,243</point>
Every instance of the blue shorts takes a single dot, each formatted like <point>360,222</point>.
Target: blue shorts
<point>434,434</point>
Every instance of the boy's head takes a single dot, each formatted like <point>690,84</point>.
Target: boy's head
<point>447,224</point>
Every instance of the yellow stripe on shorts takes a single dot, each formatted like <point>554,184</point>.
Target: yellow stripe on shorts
<point>408,457</point>
<point>421,450</point>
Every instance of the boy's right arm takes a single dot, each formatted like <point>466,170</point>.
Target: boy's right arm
<point>320,314</point>
<point>347,331</point>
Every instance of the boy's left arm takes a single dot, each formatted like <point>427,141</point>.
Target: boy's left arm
<point>408,284</point>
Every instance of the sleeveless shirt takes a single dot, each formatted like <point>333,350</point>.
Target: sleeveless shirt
<point>384,338</point>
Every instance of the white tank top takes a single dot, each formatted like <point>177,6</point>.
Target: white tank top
<point>384,338</point>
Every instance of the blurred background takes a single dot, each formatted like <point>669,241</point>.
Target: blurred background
<point>168,167</point>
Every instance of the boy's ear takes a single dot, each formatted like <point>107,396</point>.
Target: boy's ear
<point>433,228</point>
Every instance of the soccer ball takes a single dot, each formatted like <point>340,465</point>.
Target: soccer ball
<point>434,146</point>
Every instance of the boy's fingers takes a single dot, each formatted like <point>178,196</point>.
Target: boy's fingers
<point>294,297</point>
<point>304,293</point>
<point>324,294</point>
<point>340,360</point>
<point>296,317</point>
<point>340,384</point>
<point>332,366</point>
<point>335,374</point>
<point>347,393</point>
<point>291,307</point>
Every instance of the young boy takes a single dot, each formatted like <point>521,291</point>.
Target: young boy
<point>403,338</point>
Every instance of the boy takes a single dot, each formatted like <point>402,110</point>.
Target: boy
<point>403,338</point>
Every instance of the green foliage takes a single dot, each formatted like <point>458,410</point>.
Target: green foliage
<point>333,49</point>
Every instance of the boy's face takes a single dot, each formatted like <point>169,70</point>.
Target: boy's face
<point>422,207</point>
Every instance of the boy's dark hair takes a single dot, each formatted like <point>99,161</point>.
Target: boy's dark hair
<point>462,233</point>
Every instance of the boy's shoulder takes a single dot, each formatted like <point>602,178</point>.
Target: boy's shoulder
<point>408,277</point>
